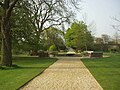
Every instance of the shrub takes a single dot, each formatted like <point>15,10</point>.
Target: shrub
<point>52,48</point>
<point>43,54</point>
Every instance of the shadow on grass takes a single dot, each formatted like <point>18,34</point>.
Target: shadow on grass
<point>103,67</point>
<point>29,60</point>
<point>8,68</point>
<point>19,67</point>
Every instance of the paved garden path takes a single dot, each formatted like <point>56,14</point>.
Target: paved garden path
<point>68,73</point>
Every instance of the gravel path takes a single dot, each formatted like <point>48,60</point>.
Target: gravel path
<point>68,73</point>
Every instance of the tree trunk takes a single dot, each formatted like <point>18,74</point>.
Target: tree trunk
<point>86,48</point>
<point>6,47</point>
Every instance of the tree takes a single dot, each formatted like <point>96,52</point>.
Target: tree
<point>78,36</point>
<point>54,36</point>
<point>106,38</point>
<point>99,41</point>
<point>44,14</point>
<point>116,38</point>
<point>40,13</point>
<point>40,16</point>
<point>117,26</point>
<point>24,36</point>
<point>6,34</point>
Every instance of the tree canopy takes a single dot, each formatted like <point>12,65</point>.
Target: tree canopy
<point>23,21</point>
<point>78,36</point>
<point>54,36</point>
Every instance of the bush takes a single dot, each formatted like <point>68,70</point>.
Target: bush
<point>114,49</point>
<point>43,54</point>
<point>52,48</point>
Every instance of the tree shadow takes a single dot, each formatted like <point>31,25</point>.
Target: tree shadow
<point>21,67</point>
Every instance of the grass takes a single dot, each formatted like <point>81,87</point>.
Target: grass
<point>106,71</point>
<point>28,67</point>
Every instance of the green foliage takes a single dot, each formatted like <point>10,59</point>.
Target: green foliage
<point>78,36</point>
<point>24,36</point>
<point>114,48</point>
<point>107,47</point>
<point>52,48</point>
<point>106,71</point>
<point>28,23</point>
<point>53,36</point>
<point>29,67</point>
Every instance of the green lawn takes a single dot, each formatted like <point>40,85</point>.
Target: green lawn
<point>106,71</point>
<point>28,67</point>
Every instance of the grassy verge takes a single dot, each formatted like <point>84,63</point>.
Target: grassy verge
<point>106,71</point>
<point>28,67</point>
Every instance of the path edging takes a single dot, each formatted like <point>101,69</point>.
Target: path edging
<point>33,77</point>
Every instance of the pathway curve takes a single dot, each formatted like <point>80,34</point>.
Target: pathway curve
<point>68,73</point>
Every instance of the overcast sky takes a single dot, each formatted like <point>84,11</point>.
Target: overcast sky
<point>100,11</point>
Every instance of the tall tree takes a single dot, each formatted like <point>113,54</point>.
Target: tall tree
<point>99,41</point>
<point>40,13</point>
<point>43,14</point>
<point>117,26</point>
<point>6,48</point>
<point>106,38</point>
<point>54,36</point>
<point>24,37</point>
<point>116,38</point>
<point>78,36</point>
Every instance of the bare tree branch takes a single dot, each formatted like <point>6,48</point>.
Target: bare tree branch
<point>12,4</point>
<point>48,13</point>
<point>116,27</point>
<point>116,19</point>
